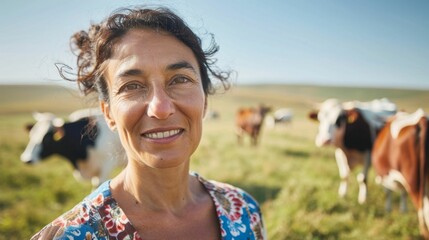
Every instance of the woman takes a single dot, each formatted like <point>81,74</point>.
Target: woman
<point>152,78</point>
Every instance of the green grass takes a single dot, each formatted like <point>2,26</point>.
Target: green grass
<point>295,182</point>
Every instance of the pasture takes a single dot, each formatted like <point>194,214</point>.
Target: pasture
<point>295,182</point>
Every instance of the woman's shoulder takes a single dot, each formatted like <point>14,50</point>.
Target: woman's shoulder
<point>226,189</point>
<point>81,219</point>
<point>239,213</point>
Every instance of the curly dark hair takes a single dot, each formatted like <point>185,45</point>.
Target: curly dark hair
<point>95,46</point>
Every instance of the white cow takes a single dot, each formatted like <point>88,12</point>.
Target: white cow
<point>282,115</point>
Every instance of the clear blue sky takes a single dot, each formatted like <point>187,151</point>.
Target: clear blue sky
<point>337,42</point>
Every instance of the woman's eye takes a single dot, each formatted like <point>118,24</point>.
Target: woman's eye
<point>131,87</point>
<point>180,79</point>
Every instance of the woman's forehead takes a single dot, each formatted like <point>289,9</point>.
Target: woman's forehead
<point>147,39</point>
<point>148,42</point>
<point>147,47</point>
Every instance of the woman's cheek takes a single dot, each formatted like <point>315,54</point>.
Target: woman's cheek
<point>129,112</point>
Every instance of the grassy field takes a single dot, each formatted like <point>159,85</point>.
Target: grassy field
<point>295,182</point>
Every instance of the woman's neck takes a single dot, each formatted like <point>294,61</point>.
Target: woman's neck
<point>170,190</point>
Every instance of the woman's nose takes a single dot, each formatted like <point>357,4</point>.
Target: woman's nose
<point>160,105</point>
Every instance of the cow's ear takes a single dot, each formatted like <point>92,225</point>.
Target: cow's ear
<point>313,115</point>
<point>105,108</point>
<point>29,126</point>
<point>58,134</point>
<point>352,117</point>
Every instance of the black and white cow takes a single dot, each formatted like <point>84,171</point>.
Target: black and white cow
<point>85,141</point>
<point>351,127</point>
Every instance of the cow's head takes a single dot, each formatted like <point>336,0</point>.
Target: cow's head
<point>329,115</point>
<point>263,109</point>
<point>47,129</point>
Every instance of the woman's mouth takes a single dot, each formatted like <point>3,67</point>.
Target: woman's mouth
<point>163,134</point>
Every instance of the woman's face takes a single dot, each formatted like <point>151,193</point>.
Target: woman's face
<point>157,101</point>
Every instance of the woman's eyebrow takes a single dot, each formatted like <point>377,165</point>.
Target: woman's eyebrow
<point>173,66</point>
<point>130,72</point>
<point>181,65</point>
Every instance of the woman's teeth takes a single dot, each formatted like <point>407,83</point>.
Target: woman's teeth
<point>159,135</point>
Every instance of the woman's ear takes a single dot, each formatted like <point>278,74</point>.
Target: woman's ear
<point>105,108</point>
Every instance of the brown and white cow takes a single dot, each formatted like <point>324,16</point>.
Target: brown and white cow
<point>85,141</point>
<point>249,120</point>
<point>400,159</point>
<point>351,128</point>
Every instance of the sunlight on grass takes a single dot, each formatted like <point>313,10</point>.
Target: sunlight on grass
<point>295,182</point>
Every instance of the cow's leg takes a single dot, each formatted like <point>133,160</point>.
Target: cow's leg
<point>239,133</point>
<point>78,175</point>
<point>425,210</point>
<point>254,136</point>
<point>388,203</point>
<point>254,139</point>
<point>423,214</point>
<point>344,171</point>
<point>422,223</point>
<point>362,178</point>
<point>95,182</point>
<point>363,190</point>
<point>92,167</point>
<point>403,204</point>
<point>394,181</point>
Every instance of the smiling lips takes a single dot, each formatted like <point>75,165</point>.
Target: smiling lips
<point>161,135</point>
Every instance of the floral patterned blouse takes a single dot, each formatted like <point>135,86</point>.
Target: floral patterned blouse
<point>99,216</point>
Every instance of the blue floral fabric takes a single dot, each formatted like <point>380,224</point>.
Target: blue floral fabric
<point>99,216</point>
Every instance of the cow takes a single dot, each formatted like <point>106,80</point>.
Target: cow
<point>400,160</point>
<point>211,115</point>
<point>86,142</point>
<point>351,128</point>
<point>282,115</point>
<point>249,120</point>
